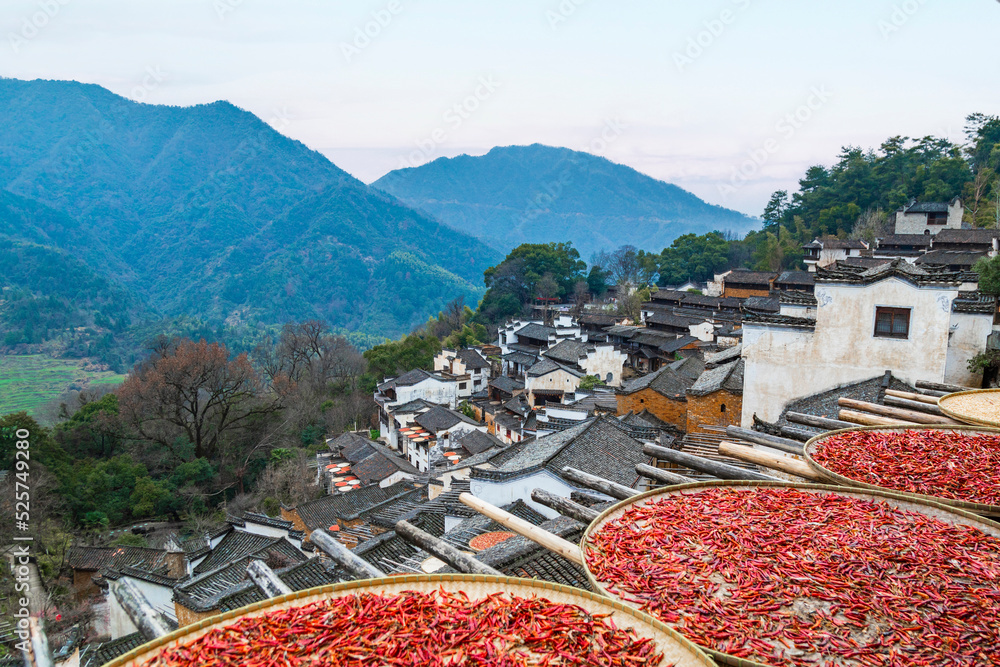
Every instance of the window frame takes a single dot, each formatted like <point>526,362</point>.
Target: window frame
<point>893,312</point>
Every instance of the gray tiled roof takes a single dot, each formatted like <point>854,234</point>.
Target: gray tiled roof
<point>644,420</point>
<point>351,446</point>
<point>506,384</point>
<point>95,655</point>
<point>522,358</point>
<point>329,510</point>
<point>796,278</point>
<point>906,240</point>
<point>477,442</point>
<point>728,377</point>
<point>670,320</point>
<point>239,544</point>
<point>97,558</point>
<point>928,207</point>
<point>441,419</point>
<point>727,355</point>
<point>952,258</point>
<point>763,304</point>
<point>567,351</point>
<point>897,268</point>
<point>535,332</point>
<point>983,237</point>
<point>473,359</point>
<point>975,302</point>
<point>740,277</point>
<point>665,381</point>
<point>546,366</point>
<point>599,446</point>
<point>381,463</point>
<point>677,344</point>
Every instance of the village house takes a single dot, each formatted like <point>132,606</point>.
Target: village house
<point>662,394</point>
<point>929,217</point>
<point>825,252</point>
<point>925,324</point>
<point>903,245</point>
<point>602,360</point>
<point>416,385</point>
<point>796,281</point>
<point>343,514</point>
<point>467,367</point>
<point>371,462</point>
<point>741,283</point>
<point>600,446</point>
<point>716,397</point>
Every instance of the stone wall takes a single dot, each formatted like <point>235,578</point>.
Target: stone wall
<point>720,408</point>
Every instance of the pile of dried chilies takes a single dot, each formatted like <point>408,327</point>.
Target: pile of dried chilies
<point>789,577</point>
<point>958,465</point>
<point>412,628</point>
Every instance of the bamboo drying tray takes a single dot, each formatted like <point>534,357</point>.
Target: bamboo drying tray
<point>966,418</point>
<point>836,478</point>
<point>944,513</point>
<point>675,648</point>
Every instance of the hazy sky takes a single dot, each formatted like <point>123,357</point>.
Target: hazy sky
<point>730,99</point>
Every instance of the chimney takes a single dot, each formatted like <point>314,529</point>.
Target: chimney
<point>176,560</point>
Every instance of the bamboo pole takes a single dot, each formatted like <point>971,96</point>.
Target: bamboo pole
<point>894,413</point>
<point>564,506</point>
<point>913,405</point>
<point>938,386</point>
<point>817,422</point>
<point>343,556</point>
<point>553,543</point>
<point>785,464</point>
<point>661,475</point>
<point>267,580</point>
<point>708,466</point>
<point>774,442</point>
<point>443,550</point>
<point>921,398</point>
<point>596,483</point>
<point>865,419</point>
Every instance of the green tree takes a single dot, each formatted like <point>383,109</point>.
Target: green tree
<point>396,357</point>
<point>989,274</point>
<point>692,257</point>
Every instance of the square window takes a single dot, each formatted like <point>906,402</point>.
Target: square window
<point>892,322</point>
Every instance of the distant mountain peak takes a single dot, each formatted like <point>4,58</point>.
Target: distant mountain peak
<point>539,193</point>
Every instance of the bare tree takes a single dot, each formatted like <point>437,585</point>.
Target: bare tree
<point>871,225</point>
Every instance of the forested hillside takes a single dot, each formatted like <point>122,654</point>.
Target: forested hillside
<point>208,211</point>
<point>539,194</point>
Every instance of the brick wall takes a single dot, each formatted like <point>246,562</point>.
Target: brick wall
<point>669,410</point>
<point>720,408</point>
<point>186,616</point>
<point>297,522</point>
<point>741,293</point>
<point>83,584</point>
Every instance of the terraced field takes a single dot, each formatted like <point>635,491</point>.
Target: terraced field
<point>29,382</point>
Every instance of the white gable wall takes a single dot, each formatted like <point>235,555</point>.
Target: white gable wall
<point>784,364</point>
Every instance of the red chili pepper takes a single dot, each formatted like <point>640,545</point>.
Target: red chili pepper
<point>956,465</point>
<point>440,629</point>
<point>793,578</point>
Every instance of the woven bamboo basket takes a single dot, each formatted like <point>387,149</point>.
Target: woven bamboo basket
<point>676,649</point>
<point>944,513</point>
<point>946,403</point>
<point>836,478</point>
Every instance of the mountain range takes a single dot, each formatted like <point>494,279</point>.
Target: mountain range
<point>114,212</point>
<point>533,194</point>
<point>208,211</point>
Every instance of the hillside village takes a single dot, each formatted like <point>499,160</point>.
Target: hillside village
<point>568,393</point>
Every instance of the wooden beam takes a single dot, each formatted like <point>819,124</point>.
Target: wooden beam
<point>661,475</point>
<point>443,550</point>
<point>39,654</point>
<point>564,506</point>
<point>774,442</point>
<point>343,556</point>
<point>720,470</point>
<point>266,579</point>
<point>865,419</point>
<point>817,422</point>
<point>918,406</point>
<point>938,386</point>
<point>553,543</point>
<point>922,398</point>
<point>785,464</point>
<point>934,394</point>
<point>607,487</point>
<point>912,416</point>
<point>799,434</point>
<point>150,623</point>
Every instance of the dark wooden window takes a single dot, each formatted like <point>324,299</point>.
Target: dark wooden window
<point>937,218</point>
<point>892,322</point>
